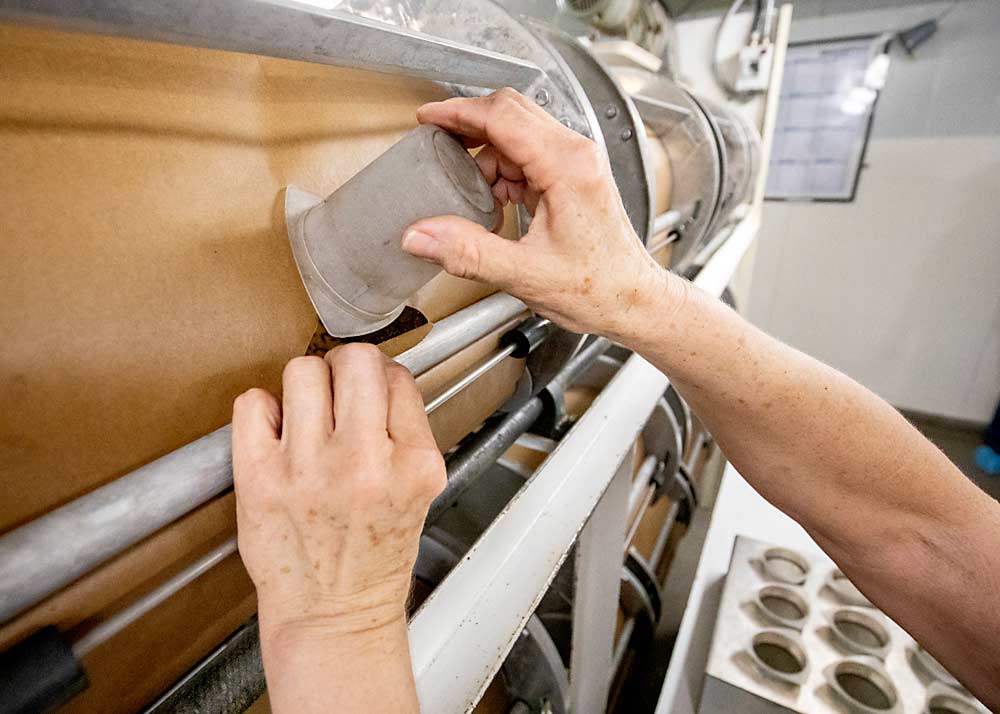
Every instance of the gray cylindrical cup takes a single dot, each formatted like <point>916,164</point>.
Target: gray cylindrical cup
<point>352,239</point>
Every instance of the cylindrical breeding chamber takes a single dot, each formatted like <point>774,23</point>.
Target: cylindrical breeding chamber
<point>347,247</point>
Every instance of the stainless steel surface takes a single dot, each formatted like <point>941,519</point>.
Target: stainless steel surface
<point>53,550</point>
<point>282,28</point>
<point>468,378</point>
<point>621,126</point>
<point>739,147</point>
<point>125,617</point>
<point>678,121</point>
<point>786,565</point>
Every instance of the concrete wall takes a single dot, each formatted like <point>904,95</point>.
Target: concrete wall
<point>901,288</point>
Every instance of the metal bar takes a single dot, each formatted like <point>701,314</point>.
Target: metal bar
<point>55,549</point>
<point>283,28</point>
<point>123,618</point>
<point>621,646</point>
<point>597,593</point>
<point>579,364</point>
<point>643,506</point>
<point>469,377</point>
<point>458,331</point>
<point>472,460</point>
<point>641,482</point>
<point>667,221</point>
<point>663,537</point>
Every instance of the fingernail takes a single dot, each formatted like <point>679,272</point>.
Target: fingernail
<point>421,245</point>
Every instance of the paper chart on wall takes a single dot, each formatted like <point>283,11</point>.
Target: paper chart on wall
<point>828,97</point>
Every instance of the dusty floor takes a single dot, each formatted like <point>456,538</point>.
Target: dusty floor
<point>958,443</point>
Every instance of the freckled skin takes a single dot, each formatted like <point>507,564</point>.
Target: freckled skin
<point>329,514</point>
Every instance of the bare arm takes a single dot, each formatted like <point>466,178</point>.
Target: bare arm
<point>901,521</point>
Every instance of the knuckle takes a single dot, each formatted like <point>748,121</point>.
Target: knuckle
<point>464,259</point>
<point>399,376</point>
<point>355,353</point>
<point>298,367</point>
<point>254,398</point>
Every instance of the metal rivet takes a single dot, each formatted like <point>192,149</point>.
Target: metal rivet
<point>626,134</point>
<point>566,121</point>
<point>611,111</point>
<point>541,97</point>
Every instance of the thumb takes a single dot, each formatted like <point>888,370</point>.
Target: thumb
<point>463,248</point>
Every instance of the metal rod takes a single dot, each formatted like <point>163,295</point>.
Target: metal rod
<point>458,331</point>
<point>484,448</point>
<point>283,28</point>
<point>645,501</point>
<point>579,364</point>
<point>663,537</point>
<point>123,618</point>
<point>469,377</point>
<point>621,646</point>
<point>641,482</point>
<point>667,221</point>
<point>55,549</point>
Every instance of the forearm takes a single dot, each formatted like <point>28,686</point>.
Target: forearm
<point>899,518</point>
<point>801,432</point>
<point>316,670</point>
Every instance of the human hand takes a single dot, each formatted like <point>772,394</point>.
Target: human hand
<point>580,263</point>
<point>332,488</point>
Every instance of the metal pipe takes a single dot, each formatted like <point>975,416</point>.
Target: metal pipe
<point>663,537</point>
<point>55,549</point>
<point>123,618</point>
<point>484,448</point>
<point>469,377</point>
<point>667,221</point>
<point>279,28</point>
<point>579,364</point>
<point>458,331</point>
<point>641,482</point>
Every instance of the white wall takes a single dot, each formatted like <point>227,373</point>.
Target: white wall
<point>901,288</point>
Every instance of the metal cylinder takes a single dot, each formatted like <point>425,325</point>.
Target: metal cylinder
<point>347,247</point>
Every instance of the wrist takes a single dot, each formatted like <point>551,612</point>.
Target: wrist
<point>653,304</point>
<point>280,631</point>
